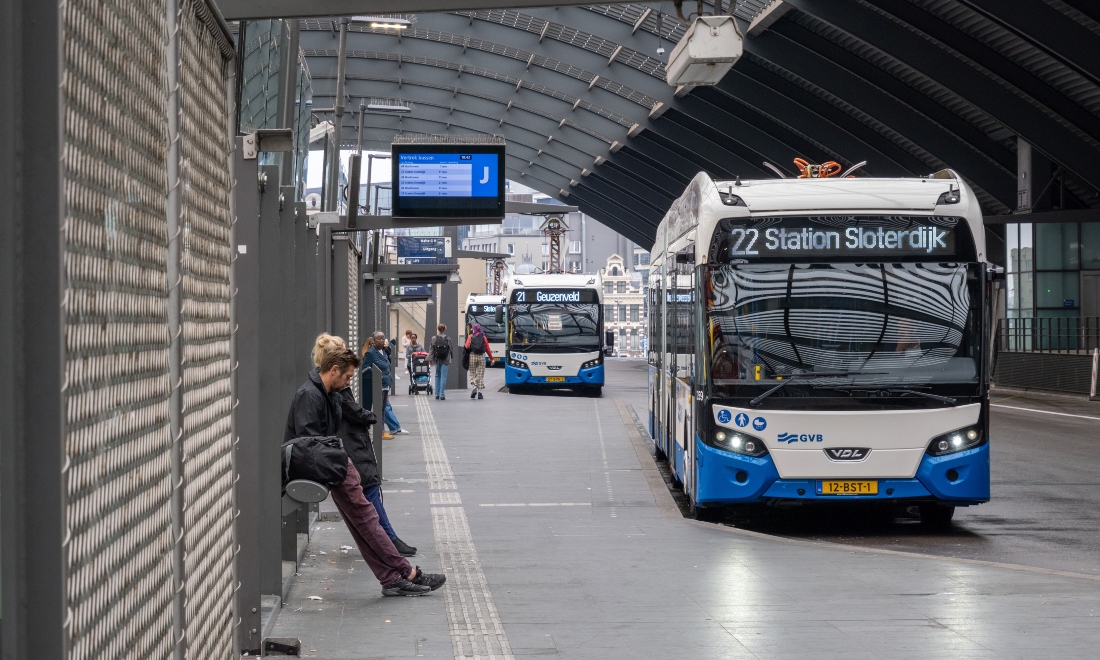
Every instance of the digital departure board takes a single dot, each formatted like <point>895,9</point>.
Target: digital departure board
<point>448,180</point>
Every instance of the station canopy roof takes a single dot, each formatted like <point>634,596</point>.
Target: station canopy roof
<point>911,86</point>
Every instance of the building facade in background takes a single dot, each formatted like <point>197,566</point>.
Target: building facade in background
<point>624,307</point>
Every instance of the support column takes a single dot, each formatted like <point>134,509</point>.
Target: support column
<point>448,314</point>
<point>247,416</point>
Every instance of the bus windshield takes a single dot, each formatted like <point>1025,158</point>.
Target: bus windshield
<point>875,326</point>
<point>555,327</point>
<point>486,315</point>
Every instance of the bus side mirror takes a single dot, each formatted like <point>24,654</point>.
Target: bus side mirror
<point>608,351</point>
<point>500,314</point>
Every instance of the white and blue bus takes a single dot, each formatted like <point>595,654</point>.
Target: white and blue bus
<point>823,340</point>
<point>555,333</point>
<point>488,311</point>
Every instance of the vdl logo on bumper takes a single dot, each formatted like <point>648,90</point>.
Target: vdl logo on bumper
<point>791,438</point>
<point>847,454</point>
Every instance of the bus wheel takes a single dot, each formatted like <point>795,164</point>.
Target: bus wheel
<point>595,391</point>
<point>704,514</point>
<point>659,453</point>
<point>936,516</point>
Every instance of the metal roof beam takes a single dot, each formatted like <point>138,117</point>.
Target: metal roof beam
<point>234,10</point>
<point>785,48</point>
<point>1025,120</point>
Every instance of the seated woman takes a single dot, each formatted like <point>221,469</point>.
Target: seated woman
<point>316,411</point>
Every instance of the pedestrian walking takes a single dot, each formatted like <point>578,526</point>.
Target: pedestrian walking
<point>440,353</point>
<point>477,349</point>
<point>378,355</point>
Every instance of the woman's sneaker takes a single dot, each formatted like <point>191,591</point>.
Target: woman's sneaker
<point>479,395</point>
<point>400,432</point>
<point>404,587</point>
<point>431,580</point>
<point>473,393</point>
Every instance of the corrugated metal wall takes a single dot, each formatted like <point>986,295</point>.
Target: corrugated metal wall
<point>117,389</point>
<point>207,255</point>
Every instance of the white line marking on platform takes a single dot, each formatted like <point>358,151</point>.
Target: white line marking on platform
<point>1045,412</point>
<point>476,629</point>
<point>603,457</point>
<point>540,504</point>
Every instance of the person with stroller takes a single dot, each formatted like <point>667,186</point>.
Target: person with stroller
<point>414,347</point>
<point>354,430</point>
<point>379,355</point>
<point>477,351</point>
<point>316,411</point>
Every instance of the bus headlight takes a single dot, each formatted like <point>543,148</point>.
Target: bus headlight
<point>592,363</point>
<point>957,440</point>
<point>518,364</point>
<point>738,442</point>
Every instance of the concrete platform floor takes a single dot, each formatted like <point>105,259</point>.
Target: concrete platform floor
<point>559,539</point>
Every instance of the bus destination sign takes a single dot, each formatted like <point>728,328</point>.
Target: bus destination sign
<point>551,296</point>
<point>827,237</point>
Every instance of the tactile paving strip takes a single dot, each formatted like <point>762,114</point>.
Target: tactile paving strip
<point>475,626</point>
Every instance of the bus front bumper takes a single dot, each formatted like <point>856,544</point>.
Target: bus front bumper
<point>727,478</point>
<point>516,376</point>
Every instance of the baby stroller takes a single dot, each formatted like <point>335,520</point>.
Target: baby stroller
<point>420,373</point>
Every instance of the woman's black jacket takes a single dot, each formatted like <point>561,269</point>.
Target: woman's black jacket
<point>354,430</point>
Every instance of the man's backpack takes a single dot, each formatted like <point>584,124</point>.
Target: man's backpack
<point>317,459</point>
<point>477,344</point>
<point>440,350</point>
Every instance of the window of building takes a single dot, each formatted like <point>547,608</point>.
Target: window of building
<point>622,339</point>
<point>634,339</point>
<point>635,313</point>
<point>575,266</point>
<point>574,247</point>
<point>545,266</point>
<point>622,312</point>
<point>511,248</point>
<point>620,287</point>
<point>608,288</point>
<point>609,313</point>
<point>614,271</point>
<point>545,249</point>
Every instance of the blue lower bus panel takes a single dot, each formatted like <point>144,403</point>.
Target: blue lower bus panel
<point>517,376</point>
<point>727,478</point>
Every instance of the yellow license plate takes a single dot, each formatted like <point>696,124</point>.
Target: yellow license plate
<point>555,379</point>
<point>847,488</point>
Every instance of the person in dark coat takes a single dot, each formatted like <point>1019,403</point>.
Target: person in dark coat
<point>317,411</point>
<point>354,430</point>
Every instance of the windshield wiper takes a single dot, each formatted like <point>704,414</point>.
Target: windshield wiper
<point>901,390</point>
<point>756,402</point>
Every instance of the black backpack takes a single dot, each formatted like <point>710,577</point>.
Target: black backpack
<point>317,459</point>
<point>440,350</point>
<point>477,344</point>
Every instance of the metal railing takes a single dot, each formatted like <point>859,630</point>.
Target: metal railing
<point>1049,335</point>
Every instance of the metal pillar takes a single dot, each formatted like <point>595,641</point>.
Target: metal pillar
<point>338,124</point>
<point>448,314</point>
<point>247,417</point>
<point>272,404</point>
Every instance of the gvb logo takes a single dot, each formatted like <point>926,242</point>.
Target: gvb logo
<point>791,438</point>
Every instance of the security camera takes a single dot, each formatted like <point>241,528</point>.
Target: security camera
<point>660,50</point>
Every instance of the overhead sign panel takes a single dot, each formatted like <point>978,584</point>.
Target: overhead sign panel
<point>448,179</point>
<point>423,250</point>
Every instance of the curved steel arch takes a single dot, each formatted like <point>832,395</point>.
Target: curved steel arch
<point>909,86</point>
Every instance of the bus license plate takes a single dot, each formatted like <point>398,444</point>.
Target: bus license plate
<point>847,488</point>
<point>555,379</point>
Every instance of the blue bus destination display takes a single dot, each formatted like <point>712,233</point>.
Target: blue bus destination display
<point>828,237</point>
<point>447,175</point>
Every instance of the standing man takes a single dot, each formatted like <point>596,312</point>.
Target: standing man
<point>379,354</point>
<point>440,353</point>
